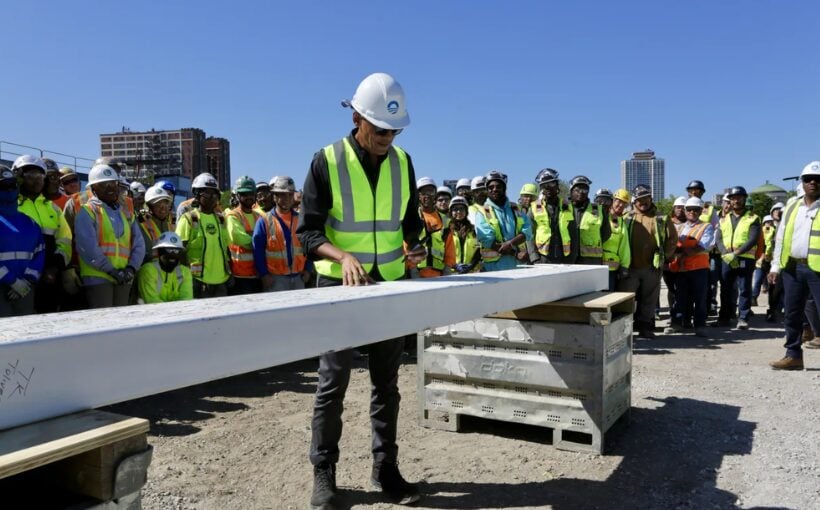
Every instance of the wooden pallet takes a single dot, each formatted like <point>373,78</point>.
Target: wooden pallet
<point>595,308</point>
<point>94,453</point>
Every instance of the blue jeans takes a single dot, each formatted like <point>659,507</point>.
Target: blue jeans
<point>732,278</point>
<point>799,283</point>
<point>692,290</point>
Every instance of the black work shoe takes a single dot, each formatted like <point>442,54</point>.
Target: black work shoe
<point>324,487</point>
<point>386,478</point>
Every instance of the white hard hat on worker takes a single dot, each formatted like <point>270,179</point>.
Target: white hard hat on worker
<point>380,99</point>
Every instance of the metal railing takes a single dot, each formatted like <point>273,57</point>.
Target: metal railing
<point>62,159</point>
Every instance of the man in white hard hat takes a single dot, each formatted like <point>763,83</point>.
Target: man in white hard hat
<point>443,196</point>
<point>441,252</point>
<point>670,276</point>
<point>338,216</point>
<point>478,192</point>
<point>500,229</point>
<point>165,278</point>
<point>109,243</point>
<point>463,190</point>
<point>203,232</point>
<point>797,262</point>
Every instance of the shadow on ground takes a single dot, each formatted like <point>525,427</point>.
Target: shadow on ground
<point>671,456</point>
<point>174,413</point>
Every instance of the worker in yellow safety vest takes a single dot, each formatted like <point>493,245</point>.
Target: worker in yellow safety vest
<point>202,230</point>
<point>240,222</point>
<point>478,192</point>
<point>551,218</point>
<point>737,241</point>
<point>109,243</point>
<point>157,217</point>
<point>165,278</point>
<point>31,173</point>
<point>441,256</point>
<point>500,229</point>
<point>591,223</point>
<point>617,254</point>
<point>467,253</point>
<point>796,261</point>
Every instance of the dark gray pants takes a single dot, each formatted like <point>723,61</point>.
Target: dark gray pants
<point>106,295</point>
<point>384,359</point>
<point>16,308</point>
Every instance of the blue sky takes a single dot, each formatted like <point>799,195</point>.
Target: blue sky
<point>726,92</point>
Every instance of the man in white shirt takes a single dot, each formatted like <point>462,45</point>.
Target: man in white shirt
<point>797,261</point>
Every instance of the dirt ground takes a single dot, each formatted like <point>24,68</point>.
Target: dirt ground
<point>711,426</point>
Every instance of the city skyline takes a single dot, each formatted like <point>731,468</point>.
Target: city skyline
<point>647,169</point>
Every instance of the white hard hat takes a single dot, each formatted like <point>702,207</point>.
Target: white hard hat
<point>156,193</point>
<point>28,160</point>
<point>138,188</point>
<point>680,201</point>
<point>425,181</point>
<point>205,180</point>
<point>693,202</point>
<point>282,184</point>
<point>478,182</point>
<point>725,198</point>
<point>812,168</point>
<point>380,99</point>
<point>102,173</point>
<point>768,217</point>
<point>168,240</point>
<point>463,183</point>
<point>778,205</point>
<point>444,190</point>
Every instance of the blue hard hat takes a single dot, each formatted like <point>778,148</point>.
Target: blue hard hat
<point>167,186</point>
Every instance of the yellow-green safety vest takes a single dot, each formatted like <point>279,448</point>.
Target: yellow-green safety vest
<point>197,243</point>
<point>735,238</point>
<point>116,249</point>
<point>706,214</point>
<point>435,243</point>
<point>616,249</point>
<point>543,230</point>
<point>814,238</point>
<point>51,220</point>
<point>465,251</point>
<point>363,223</point>
<point>590,231</point>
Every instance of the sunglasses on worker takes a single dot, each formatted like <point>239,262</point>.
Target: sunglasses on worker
<point>811,178</point>
<point>384,132</point>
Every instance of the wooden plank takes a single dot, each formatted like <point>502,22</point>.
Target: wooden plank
<point>55,364</point>
<point>30,446</point>
<point>575,309</point>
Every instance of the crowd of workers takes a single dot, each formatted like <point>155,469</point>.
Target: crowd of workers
<point>363,217</point>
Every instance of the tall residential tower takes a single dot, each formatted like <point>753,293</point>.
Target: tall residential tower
<point>644,168</point>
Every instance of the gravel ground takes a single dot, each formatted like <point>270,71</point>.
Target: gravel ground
<point>711,426</point>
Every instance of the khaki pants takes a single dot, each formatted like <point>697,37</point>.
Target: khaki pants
<point>646,284</point>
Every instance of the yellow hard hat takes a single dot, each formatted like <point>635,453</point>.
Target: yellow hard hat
<point>622,195</point>
<point>529,189</point>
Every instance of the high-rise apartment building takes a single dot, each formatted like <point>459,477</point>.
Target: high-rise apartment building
<point>177,155</point>
<point>218,160</point>
<point>644,168</point>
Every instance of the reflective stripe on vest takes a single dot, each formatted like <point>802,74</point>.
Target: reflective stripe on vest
<point>198,243</point>
<point>242,265</point>
<point>590,232</point>
<point>489,254</point>
<point>362,222</point>
<point>172,291</point>
<point>466,249</point>
<point>116,249</point>
<point>788,233</point>
<point>276,255</point>
<point>698,259</point>
<point>150,228</point>
<point>738,236</point>
<point>543,228</point>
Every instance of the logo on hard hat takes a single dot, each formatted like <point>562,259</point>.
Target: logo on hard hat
<point>107,172</point>
<point>393,107</point>
<point>174,239</point>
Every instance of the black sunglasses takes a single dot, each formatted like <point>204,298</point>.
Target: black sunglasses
<point>810,178</point>
<point>383,132</point>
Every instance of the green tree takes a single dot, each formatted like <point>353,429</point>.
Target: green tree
<point>665,205</point>
<point>225,199</point>
<point>760,203</point>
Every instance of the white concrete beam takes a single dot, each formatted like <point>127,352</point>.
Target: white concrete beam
<point>55,364</point>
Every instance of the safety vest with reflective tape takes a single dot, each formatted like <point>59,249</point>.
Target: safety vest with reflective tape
<point>788,233</point>
<point>276,249</point>
<point>364,222</point>
<point>164,286</point>
<point>706,214</point>
<point>489,254</point>
<point>616,248</point>
<point>82,197</point>
<point>543,228</point>
<point>116,249</point>
<point>590,231</point>
<point>242,265</point>
<point>53,226</point>
<point>734,238</point>
<point>466,250</point>
<point>435,241</point>
<point>698,259</point>
<point>197,243</point>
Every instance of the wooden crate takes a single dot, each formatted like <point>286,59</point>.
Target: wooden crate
<point>97,454</point>
<point>595,308</point>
